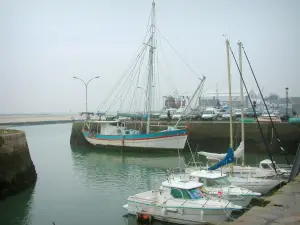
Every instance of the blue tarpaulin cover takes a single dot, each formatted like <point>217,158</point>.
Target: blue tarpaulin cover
<point>229,158</point>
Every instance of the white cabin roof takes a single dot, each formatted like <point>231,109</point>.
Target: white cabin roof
<point>182,184</point>
<point>207,174</point>
<point>267,161</point>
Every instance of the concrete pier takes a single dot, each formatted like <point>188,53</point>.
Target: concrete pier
<point>17,171</point>
<point>215,135</point>
<point>19,120</point>
<point>283,207</point>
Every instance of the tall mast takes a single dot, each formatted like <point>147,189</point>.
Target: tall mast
<point>151,67</point>
<point>230,98</point>
<point>242,101</point>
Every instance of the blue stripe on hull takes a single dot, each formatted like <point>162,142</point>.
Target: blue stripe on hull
<point>156,135</point>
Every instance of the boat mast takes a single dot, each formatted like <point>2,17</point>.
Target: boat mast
<point>242,101</point>
<point>151,67</point>
<point>230,99</point>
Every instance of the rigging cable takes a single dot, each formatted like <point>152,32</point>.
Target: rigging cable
<point>138,78</point>
<point>130,65</point>
<point>260,129</point>
<point>169,75</point>
<point>123,76</point>
<point>273,126</point>
<point>142,52</point>
<point>178,54</point>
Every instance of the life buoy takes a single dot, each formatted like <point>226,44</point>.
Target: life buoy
<point>220,193</point>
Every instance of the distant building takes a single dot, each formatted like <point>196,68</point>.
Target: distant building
<point>280,104</point>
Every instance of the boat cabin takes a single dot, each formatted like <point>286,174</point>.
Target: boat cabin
<point>114,127</point>
<point>189,190</point>
<point>267,165</point>
<point>210,178</point>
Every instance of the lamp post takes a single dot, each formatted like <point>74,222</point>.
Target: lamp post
<point>287,102</point>
<point>86,86</point>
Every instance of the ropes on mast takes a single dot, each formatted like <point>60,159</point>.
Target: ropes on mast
<point>273,126</point>
<point>178,54</point>
<point>260,129</point>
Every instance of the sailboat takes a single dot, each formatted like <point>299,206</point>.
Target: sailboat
<point>252,178</point>
<point>264,170</point>
<point>116,133</point>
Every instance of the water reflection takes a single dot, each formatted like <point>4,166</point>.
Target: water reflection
<point>17,209</point>
<point>112,176</point>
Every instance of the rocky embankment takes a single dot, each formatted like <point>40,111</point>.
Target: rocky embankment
<point>17,171</point>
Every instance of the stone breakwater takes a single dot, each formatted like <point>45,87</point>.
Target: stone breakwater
<point>215,135</point>
<point>17,171</point>
<point>283,207</point>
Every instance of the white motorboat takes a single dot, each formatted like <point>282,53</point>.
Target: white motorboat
<point>182,202</point>
<point>283,170</point>
<point>263,171</point>
<point>218,185</point>
<point>260,185</point>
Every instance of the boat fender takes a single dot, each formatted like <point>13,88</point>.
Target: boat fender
<point>163,211</point>
<point>201,215</point>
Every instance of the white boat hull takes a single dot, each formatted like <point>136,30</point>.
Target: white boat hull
<point>168,142</point>
<point>262,186</point>
<point>235,199</point>
<point>161,206</point>
<point>180,216</point>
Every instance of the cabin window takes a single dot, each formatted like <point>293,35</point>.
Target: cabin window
<point>180,193</point>
<point>202,180</point>
<point>113,124</point>
<point>265,166</point>
<point>210,183</point>
<point>195,193</point>
<point>223,181</point>
<point>127,132</point>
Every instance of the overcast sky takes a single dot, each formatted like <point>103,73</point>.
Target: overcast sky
<point>43,44</point>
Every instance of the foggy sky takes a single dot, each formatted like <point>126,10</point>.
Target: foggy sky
<point>43,44</point>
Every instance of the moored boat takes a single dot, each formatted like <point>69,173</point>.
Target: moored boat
<point>182,202</point>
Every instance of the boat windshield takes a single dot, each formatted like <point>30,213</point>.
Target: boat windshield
<point>269,166</point>
<point>208,112</point>
<point>223,181</point>
<point>194,193</point>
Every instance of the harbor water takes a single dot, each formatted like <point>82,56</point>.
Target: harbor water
<point>80,185</point>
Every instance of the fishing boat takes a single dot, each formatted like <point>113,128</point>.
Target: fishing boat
<point>181,202</point>
<point>218,185</point>
<point>116,133</point>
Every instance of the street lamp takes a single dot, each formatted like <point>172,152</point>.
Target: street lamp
<point>287,102</point>
<point>86,86</point>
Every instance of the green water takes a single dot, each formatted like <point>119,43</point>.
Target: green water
<point>84,186</point>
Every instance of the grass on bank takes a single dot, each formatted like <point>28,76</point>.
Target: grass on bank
<point>8,131</point>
